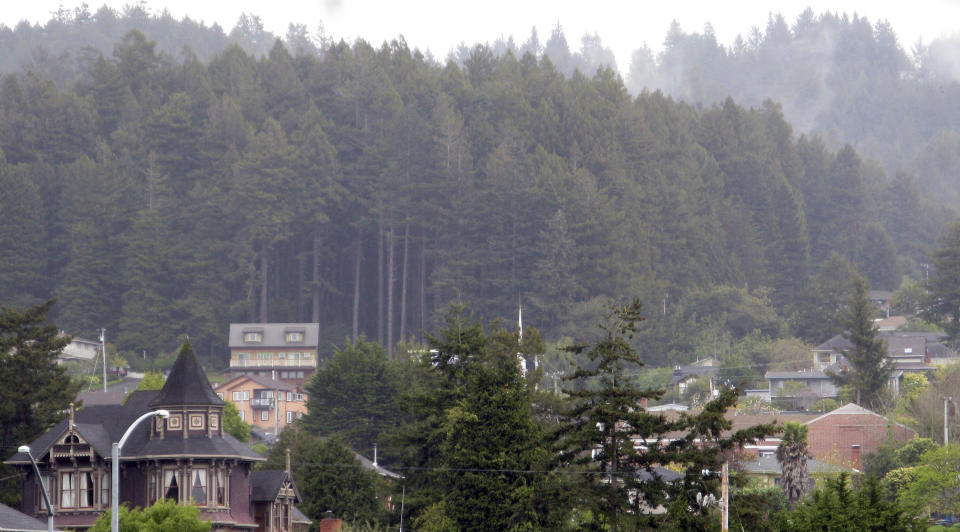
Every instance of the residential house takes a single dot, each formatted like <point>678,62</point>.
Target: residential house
<point>78,349</point>
<point>683,375</point>
<point>186,457</point>
<point>842,435</point>
<point>268,404</point>
<point>289,349</point>
<point>797,390</point>
<point>767,470</point>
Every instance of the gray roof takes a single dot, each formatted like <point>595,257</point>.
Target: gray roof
<point>769,464</point>
<point>838,343</point>
<point>906,346</point>
<point>662,473</point>
<point>14,521</point>
<point>187,384</point>
<point>102,425</point>
<point>265,485</point>
<point>274,334</point>
<point>298,516</point>
<point>796,375</point>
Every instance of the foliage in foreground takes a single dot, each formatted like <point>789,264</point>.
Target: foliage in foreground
<point>163,516</point>
<point>838,507</point>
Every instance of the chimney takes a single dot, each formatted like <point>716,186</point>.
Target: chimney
<point>855,456</point>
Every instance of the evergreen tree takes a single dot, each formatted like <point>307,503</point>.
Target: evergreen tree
<point>869,372</point>
<point>35,392</point>
<point>476,454</point>
<point>607,418</point>
<point>353,396</point>
<point>944,302</point>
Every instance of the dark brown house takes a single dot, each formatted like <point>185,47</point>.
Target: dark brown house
<point>187,457</point>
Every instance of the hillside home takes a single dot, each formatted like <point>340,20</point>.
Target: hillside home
<point>289,349</point>
<point>268,404</point>
<point>187,457</point>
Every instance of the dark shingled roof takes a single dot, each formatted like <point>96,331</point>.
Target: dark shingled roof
<point>13,520</point>
<point>265,485</point>
<point>187,383</point>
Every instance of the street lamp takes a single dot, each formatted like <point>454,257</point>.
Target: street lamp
<point>115,474</point>
<point>25,449</point>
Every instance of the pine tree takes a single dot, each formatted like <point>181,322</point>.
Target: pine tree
<point>602,430</point>
<point>869,371</point>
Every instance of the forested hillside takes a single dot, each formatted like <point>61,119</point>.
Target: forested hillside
<point>844,77</point>
<point>366,187</point>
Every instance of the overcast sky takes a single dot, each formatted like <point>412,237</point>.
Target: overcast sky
<point>439,25</point>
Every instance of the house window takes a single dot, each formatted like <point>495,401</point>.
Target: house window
<point>196,421</point>
<point>47,481</point>
<point>86,491</point>
<point>173,422</point>
<point>214,421</point>
<point>171,485</point>
<point>289,417</point>
<point>265,355</point>
<point>282,356</point>
<point>67,490</point>
<point>264,415</point>
<point>198,486</point>
<point>289,396</point>
<point>299,374</point>
<point>300,397</point>
<point>284,374</point>
<point>293,336</point>
<point>152,487</point>
<point>221,488</point>
<point>243,356</point>
<point>253,336</point>
<point>104,489</point>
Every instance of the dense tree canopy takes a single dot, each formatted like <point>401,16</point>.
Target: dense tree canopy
<point>365,188</point>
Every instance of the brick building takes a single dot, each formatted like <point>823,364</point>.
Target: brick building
<point>833,437</point>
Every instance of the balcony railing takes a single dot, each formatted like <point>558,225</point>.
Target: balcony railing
<point>275,363</point>
<point>261,402</point>
<point>72,450</point>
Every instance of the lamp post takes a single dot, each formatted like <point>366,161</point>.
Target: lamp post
<point>115,473</point>
<point>43,488</point>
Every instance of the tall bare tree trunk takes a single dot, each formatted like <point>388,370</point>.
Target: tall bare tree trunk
<point>356,286</point>
<point>264,282</point>
<point>315,314</point>
<point>380,279</point>
<point>390,284</point>
<point>423,284</point>
<point>403,283</point>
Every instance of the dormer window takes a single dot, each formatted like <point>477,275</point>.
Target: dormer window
<point>253,336</point>
<point>293,337</point>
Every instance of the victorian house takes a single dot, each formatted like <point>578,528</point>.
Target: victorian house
<point>186,457</point>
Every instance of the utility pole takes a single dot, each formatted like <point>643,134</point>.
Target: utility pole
<point>946,418</point>
<point>725,495</point>
<point>103,349</point>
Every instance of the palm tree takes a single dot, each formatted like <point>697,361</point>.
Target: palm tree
<point>792,454</point>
